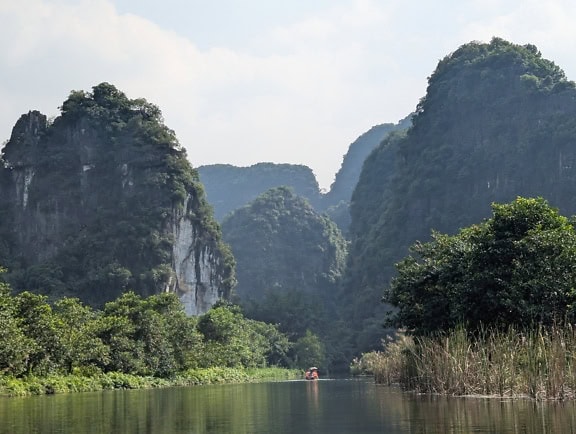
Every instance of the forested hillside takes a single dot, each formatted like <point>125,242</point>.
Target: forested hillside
<point>498,121</point>
<point>103,199</point>
<point>281,244</point>
<point>230,187</point>
<point>336,202</point>
<point>290,260</point>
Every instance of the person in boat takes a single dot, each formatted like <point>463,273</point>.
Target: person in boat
<point>312,374</point>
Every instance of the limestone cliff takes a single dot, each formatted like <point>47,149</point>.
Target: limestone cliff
<point>498,121</point>
<point>196,263</point>
<point>103,200</point>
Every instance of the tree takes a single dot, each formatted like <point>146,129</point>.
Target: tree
<point>309,351</point>
<point>36,320</point>
<point>77,328</point>
<point>15,346</point>
<point>121,322</point>
<point>232,340</point>
<point>518,267</point>
<point>486,131</point>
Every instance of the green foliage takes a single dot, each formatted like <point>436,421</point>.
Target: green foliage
<point>294,312</point>
<point>290,260</point>
<point>132,336</point>
<point>76,329</point>
<point>497,122</point>
<point>82,382</point>
<point>232,340</point>
<point>37,323</point>
<point>516,268</point>
<point>15,346</point>
<point>280,243</point>
<point>229,187</point>
<point>149,336</point>
<point>109,182</point>
<point>309,351</point>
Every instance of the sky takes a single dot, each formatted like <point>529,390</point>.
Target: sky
<point>248,81</point>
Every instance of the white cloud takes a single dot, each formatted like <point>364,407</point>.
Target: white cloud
<point>300,92</point>
<point>547,24</point>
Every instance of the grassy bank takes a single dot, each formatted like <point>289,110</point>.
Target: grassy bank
<point>32,385</point>
<point>540,364</point>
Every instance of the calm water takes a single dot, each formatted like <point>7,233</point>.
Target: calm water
<point>326,406</point>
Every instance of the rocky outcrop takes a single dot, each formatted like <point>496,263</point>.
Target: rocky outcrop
<point>102,201</point>
<point>196,267</point>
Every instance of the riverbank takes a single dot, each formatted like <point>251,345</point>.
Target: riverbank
<point>32,385</point>
<point>539,364</point>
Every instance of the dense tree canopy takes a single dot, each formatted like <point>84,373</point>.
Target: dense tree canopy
<point>231,187</point>
<point>289,262</point>
<point>497,121</point>
<point>516,268</point>
<point>281,244</point>
<point>149,336</point>
<point>89,200</point>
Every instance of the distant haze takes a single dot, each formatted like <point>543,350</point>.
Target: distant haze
<point>252,81</point>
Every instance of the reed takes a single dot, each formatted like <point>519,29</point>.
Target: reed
<point>540,363</point>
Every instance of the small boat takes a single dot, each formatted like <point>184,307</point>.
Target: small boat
<point>312,373</point>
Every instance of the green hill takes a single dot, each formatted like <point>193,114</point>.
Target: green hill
<point>230,187</point>
<point>101,200</point>
<point>289,262</point>
<point>498,121</point>
<point>281,244</point>
<point>336,202</point>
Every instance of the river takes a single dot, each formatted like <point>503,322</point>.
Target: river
<point>324,406</point>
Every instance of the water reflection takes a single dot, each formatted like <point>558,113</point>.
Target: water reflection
<point>312,395</point>
<point>325,406</point>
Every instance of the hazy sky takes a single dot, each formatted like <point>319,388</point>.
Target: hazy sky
<point>246,81</point>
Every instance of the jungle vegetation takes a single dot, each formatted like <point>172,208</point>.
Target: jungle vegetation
<point>489,310</point>
<point>231,187</point>
<point>498,121</point>
<point>290,260</point>
<point>494,133</point>
<point>517,268</point>
<point>133,335</point>
<point>89,200</point>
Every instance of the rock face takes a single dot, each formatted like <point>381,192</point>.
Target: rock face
<point>498,121</point>
<point>336,203</point>
<point>349,172</point>
<point>103,200</point>
<point>197,278</point>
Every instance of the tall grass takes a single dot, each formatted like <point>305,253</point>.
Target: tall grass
<point>539,364</point>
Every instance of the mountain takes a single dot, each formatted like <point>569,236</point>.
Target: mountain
<point>102,200</point>
<point>230,187</point>
<point>290,260</point>
<point>498,121</point>
<point>282,244</point>
<point>337,201</point>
